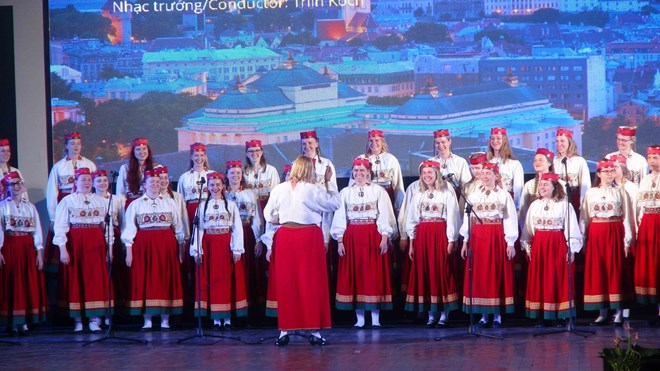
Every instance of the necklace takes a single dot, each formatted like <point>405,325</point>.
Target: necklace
<point>377,160</point>
<point>430,195</point>
<point>361,192</point>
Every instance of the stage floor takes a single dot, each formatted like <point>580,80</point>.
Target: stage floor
<point>392,347</point>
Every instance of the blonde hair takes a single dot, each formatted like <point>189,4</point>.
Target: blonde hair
<point>386,148</point>
<point>439,183</point>
<point>505,152</point>
<point>302,170</point>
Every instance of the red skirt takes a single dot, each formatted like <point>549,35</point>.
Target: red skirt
<point>647,260</point>
<point>432,283</point>
<point>222,280</point>
<point>22,287</point>
<point>155,281</point>
<point>547,279</point>
<point>363,275</point>
<point>255,272</point>
<point>299,295</point>
<point>604,284</point>
<point>492,273</point>
<point>83,283</point>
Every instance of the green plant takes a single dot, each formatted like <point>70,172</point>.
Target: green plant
<point>626,354</point>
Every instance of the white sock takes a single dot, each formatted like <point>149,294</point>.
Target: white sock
<point>147,321</point>
<point>375,318</point>
<point>359,313</point>
<point>283,333</point>
<point>431,317</point>
<point>227,321</point>
<point>444,316</point>
<point>484,318</point>
<point>96,320</point>
<point>498,318</point>
<point>626,313</point>
<point>316,333</point>
<point>165,320</point>
<point>217,322</point>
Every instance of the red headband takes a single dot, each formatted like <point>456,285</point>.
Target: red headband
<point>198,147</point>
<point>550,176</point>
<point>497,131</point>
<point>564,133</point>
<point>253,143</point>
<point>429,163</point>
<point>161,170</point>
<point>362,161</point>
<point>74,135</point>
<point>375,133</point>
<point>99,173</point>
<point>4,142</point>
<point>493,167</point>
<point>628,131</point>
<point>230,164</point>
<point>139,141</point>
<point>479,159</point>
<point>150,173</point>
<point>545,152</point>
<point>82,171</point>
<point>308,134</point>
<point>605,165</point>
<point>441,133</point>
<point>215,176</point>
<point>619,158</point>
<point>10,175</point>
<point>653,150</point>
<point>286,168</point>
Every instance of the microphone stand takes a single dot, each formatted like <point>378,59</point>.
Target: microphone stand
<point>472,329</point>
<point>570,328</point>
<point>109,333</point>
<point>199,332</point>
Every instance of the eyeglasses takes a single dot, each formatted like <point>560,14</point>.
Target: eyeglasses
<point>607,171</point>
<point>19,183</point>
<point>251,151</point>
<point>623,140</point>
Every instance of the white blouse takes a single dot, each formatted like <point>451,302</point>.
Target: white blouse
<point>217,216</point>
<point>648,195</point>
<point>387,173</point>
<point>369,202</point>
<point>544,215</point>
<point>578,175</point>
<point>122,182</point>
<point>320,164</point>
<point>636,163</point>
<point>77,208</point>
<point>493,204</point>
<point>513,177</point>
<point>188,184</point>
<point>411,191</point>
<point>20,216</point>
<point>262,180</point>
<point>61,179</point>
<point>117,205</point>
<point>437,204</point>
<point>529,195</point>
<point>249,210</point>
<point>454,165</point>
<point>608,202</point>
<point>145,212</point>
<point>178,199</point>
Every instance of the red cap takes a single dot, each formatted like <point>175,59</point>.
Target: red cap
<point>605,165</point>
<point>161,170</point>
<point>151,173</point>
<point>286,168</point>
<point>653,150</point>
<point>564,133</point>
<point>493,167</point>
<point>10,175</point>
<point>4,142</point>
<point>550,176</point>
<point>362,161</point>
<point>546,152</point>
<point>99,173</point>
<point>215,175</point>
<point>74,135</point>
<point>628,131</point>
<point>82,171</point>
<point>253,143</point>
<point>308,134</point>
<point>236,163</point>
<point>197,147</point>
<point>619,158</point>
<point>478,158</point>
<point>429,163</point>
<point>441,133</point>
<point>139,141</point>
<point>375,133</point>
<point>497,131</point>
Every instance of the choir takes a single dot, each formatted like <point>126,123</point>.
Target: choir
<point>260,242</point>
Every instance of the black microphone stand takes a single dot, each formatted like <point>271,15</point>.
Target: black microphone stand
<point>570,328</point>
<point>109,333</point>
<point>472,329</point>
<point>199,332</point>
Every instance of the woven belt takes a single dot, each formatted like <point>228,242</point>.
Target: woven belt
<point>487,221</point>
<point>652,210</point>
<point>297,225</point>
<point>16,233</point>
<point>222,230</point>
<point>433,220</point>
<point>85,225</point>
<point>361,221</point>
<point>549,229</point>
<point>155,228</point>
<point>195,201</point>
<point>611,219</point>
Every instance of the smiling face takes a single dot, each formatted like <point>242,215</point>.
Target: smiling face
<point>561,143</point>
<point>496,142</point>
<point>73,147</point>
<point>254,155</point>
<point>84,183</point>
<point>5,154</point>
<point>376,145</point>
<point>141,152</point>
<point>488,177</point>
<point>215,187</point>
<point>16,187</point>
<point>152,186</point>
<point>429,176</point>
<point>606,175</point>
<point>624,143</point>
<point>545,189</point>
<point>442,146</point>
<point>234,176</point>
<point>101,184</point>
<point>198,158</point>
<point>361,174</point>
<point>164,179</point>
<point>541,164</point>
<point>309,146</point>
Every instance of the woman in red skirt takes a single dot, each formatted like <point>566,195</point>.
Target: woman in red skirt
<point>609,226</point>
<point>22,289</point>
<point>129,180</point>
<point>258,174</point>
<point>432,224</point>
<point>299,296</point>
<point>154,236</point>
<point>79,232</point>
<point>219,259</point>
<point>362,225</point>
<point>647,256</point>
<point>492,243</point>
<point>571,168</point>
<point>544,237</point>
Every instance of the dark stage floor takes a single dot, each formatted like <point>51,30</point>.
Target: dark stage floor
<point>395,347</point>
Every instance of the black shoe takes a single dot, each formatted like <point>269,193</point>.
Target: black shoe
<point>539,324</point>
<point>497,324</point>
<point>227,326</point>
<point>560,323</point>
<point>617,324</point>
<point>356,327</point>
<point>12,331</point>
<point>317,340</point>
<point>483,324</point>
<point>217,327</point>
<point>146,329</point>
<point>430,325</point>
<point>602,322</point>
<point>442,324</point>
<point>282,341</point>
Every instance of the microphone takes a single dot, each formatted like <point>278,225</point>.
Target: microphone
<point>202,180</point>
<point>113,173</point>
<point>448,176</point>
<point>563,160</point>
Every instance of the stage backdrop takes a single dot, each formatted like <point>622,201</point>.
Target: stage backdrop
<point>223,72</point>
